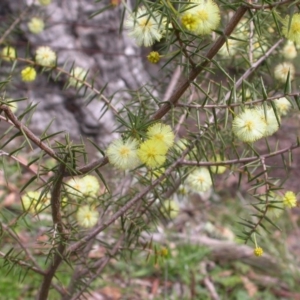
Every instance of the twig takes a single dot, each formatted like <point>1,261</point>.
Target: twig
<point>195,72</point>
<point>28,132</point>
<point>250,103</point>
<point>57,221</point>
<point>239,160</point>
<point>208,283</point>
<point>13,25</point>
<point>22,163</point>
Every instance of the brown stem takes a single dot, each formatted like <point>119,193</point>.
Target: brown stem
<point>196,71</point>
<point>57,221</point>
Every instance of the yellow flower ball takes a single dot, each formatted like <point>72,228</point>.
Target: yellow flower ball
<point>248,126</point>
<point>258,251</point>
<point>36,25</point>
<point>201,17</point>
<point>9,53</point>
<point>161,133</point>
<point>87,216</point>
<point>123,154</point>
<point>28,74</point>
<point>291,28</point>
<point>199,180</point>
<point>153,57</point>
<point>281,71</point>
<point>152,153</point>
<point>290,199</point>
<point>45,56</point>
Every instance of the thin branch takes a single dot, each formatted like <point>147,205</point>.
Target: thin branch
<point>22,264</point>
<point>250,103</point>
<point>28,132</point>
<point>57,221</point>
<point>239,160</point>
<point>24,164</point>
<point>196,71</point>
<point>13,25</point>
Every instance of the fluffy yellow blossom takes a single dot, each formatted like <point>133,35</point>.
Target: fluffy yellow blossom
<point>171,207</point>
<point>152,153</point>
<point>161,133</point>
<point>258,251</point>
<point>34,202</point>
<point>28,74</point>
<point>218,169</point>
<point>36,25</point>
<point>269,117</point>
<point>44,2</point>
<point>123,154</point>
<point>289,199</point>
<point>153,57</point>
<point>78,73</point>
<point>289,51</point>
<point>76,187</point>
<point>248,126</point>
<point>45,56</point>
<point>283,105</point>
<point>144,27</point>
<point>199,180</point>
<point>281,71</point>
<point>87,216</point>
<point>8,53</point>
<point>201,17</point>
<point>229,49</point>
<point>91,184</point>
<point>291,28</point>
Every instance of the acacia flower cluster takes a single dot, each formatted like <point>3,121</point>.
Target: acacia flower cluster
<point>152,152</point>
<point>258,251</point>
<point>87,187</point>
<point>28,74</point>
<point>34,202</point>
<point>283,105</point>
<point>253,124</point>
<point>8,53</point>
<point>201,17</point>
<point>78,73</point>
<point>282,71</point>
<point>218,169</point>
<point>45,56</point>
<point>144,27</point>
<point>87,216</point>
<point>153,57</point>
<point>291,28</point>
<point>36,25</point>
<point>199,180</point>
<point>289,50</point>
<point>289,199</point>
<point>44,2</point>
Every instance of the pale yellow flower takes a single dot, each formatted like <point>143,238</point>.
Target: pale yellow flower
<point>9,53</point>
<point>78,73</point>
<point>36,25</point>
<point>289,199</point>
<point>199,180</point>
<point>201,17</point>
<point>281,71</point>
<point>283,105</point>
<point>152,153</point>
<point>144,27</point>
<point>45,56</point>
<point>28,74</point>
<point>291,28</point>
<point>124,154</point>
<point>161,133</point>
<point>248,126</point>
<point>269,117</point>
<point>87,216</point>
<point>289,51</point>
